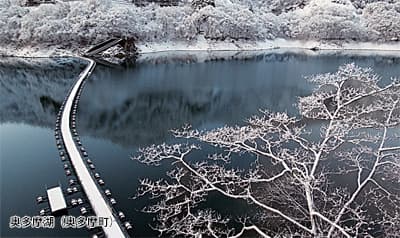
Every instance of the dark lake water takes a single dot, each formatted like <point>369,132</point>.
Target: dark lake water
<point>124,109</point>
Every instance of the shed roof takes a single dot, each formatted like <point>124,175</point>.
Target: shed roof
<point>56,199</point>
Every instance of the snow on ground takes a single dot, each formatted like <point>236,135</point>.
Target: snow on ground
<point>202,50</point>
<point>203,45</point>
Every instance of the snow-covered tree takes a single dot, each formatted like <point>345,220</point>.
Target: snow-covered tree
<point>327,20</point>
<point>72,24</point>
<point>227,20</point>
<point>383,18</point>
<point>340,182</point>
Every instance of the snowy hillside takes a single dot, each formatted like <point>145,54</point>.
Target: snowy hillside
<point>72,24</point>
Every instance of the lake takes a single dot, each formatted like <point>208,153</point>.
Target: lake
<point>125,108</point>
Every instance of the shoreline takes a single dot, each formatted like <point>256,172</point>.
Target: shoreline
<point>204,46</point>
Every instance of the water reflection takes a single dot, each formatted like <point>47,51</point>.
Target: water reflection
<point>140,105</point>
<point>121,110</point>
<point>32,90</point>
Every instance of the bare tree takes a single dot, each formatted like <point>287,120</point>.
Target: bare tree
<point>340,182</point>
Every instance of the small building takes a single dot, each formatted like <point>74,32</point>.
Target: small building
<point>56,200</point>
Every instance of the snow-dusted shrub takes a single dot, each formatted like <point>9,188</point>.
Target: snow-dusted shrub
<point>327,20</point>
<point>383,18</point>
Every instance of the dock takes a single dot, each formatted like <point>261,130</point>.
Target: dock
<point>103,46</point>
<point>98,202</point>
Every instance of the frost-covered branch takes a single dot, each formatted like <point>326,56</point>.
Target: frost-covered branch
<point>288,175</point>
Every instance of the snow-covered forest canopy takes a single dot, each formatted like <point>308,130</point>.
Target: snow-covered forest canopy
<point>68,24</point>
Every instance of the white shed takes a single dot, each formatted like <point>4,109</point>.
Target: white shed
<point>56,199</point>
